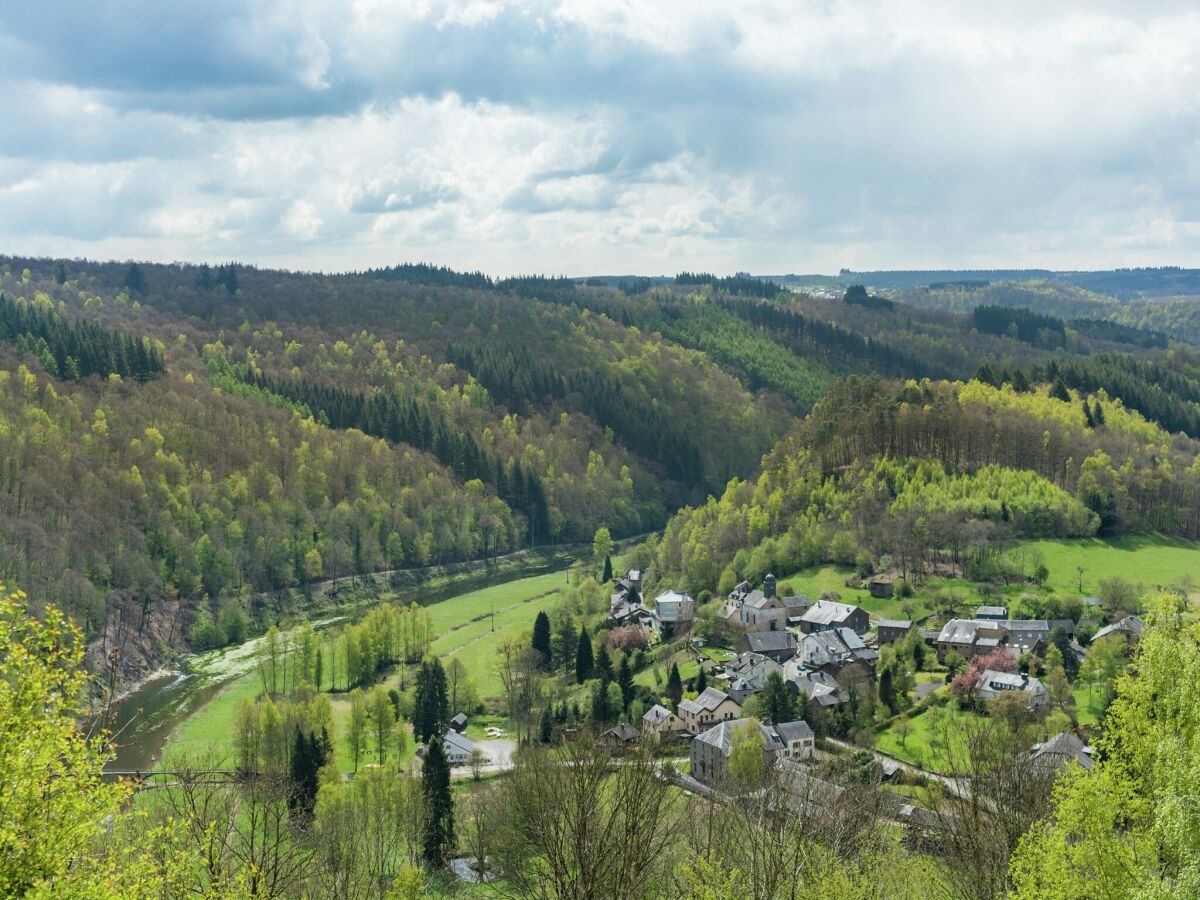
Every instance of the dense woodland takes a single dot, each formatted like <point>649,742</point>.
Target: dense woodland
<point>180,437</point>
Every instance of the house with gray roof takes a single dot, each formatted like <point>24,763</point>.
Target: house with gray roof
<point>833,650</point>
<point>661,721</point>
<point>457,747</point>
<point>796,740</point>
<point>992,684</point>
<point>674,608</point>
<point>710,708</point>
<point>814,686</point>
<point>994,613</point>
<point>1129,628</point>
<point>776,645</point>
<point>825,615</point>
<point>710,750</point>
<point>748,675</point>
<point>1061,750</point>
<point>888,631</point>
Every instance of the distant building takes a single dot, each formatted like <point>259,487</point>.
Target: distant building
<point>791,741</point>
<point>1061,750</point>
<point>459,722</point>
<point>891,630</point>
<point>710,708</point>
<point>457,747</point>
<point>831,651</point>
<point>661,721</point>
<point>828,614</point>
<point>973,637</point>
<point>776,645</point>
<point>1129,628</point>
<point>992,684</point>
<point>748,674</point>
<point>763,613</point>
<point>881,587</point>
<point>674,608</point>
<point>995,613</point>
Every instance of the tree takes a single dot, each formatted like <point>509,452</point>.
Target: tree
<point>568,641</point>
<point>583,658</point>
<point>702,681</point>
<point>747,756</point>
<point>603,667</point>
<point>356,732</point>
<point>308,757</point>
<point>135,279</point>
<point>602,545</point>
<point>431,705</point>
<point>607,576</point>
<point>902,729</point>
<point>778,704</point>
<point>552,821</point>
<point>625,681</point>
<point>1119,829</point>
<point>674,687</point>
<point>438,833</point>
<point>545,726</point>
<point>383,720</point>
<point>540,642</point>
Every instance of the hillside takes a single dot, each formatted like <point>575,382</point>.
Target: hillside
<point>179,439</point>
<point>914,478</point>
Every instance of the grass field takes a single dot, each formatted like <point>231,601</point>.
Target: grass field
<point>463,627</point>
<point>1147,559</point>
<point>920,747</point>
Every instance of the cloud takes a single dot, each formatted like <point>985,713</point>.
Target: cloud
<point>598,135</point>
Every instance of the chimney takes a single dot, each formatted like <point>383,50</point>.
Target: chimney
<point>769,586</point>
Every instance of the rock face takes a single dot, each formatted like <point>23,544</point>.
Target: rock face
<point>136,639</point>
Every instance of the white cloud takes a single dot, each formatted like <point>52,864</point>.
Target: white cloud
<point>581,136</point>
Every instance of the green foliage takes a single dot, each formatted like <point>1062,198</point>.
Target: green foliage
<point>431,708</point>
<point>438,834</point>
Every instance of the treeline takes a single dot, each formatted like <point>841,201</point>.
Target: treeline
<point>740,284</point>
<point>1162,394</point>
<point>1103,330</point>
<point>423,273</point>
<point>75,350</point>
<point>834,342</point>
<point>514,377</point>
<point>408,420</point>
<point>907,475</point>
<point>1023,324</point>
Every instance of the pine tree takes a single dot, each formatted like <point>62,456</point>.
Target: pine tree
<point>541,638</point>
<point>1059,391</point>
<point>568,642</point>
<point>545,726</point>
<point>608,572</point>
<point>674,687</point>
<point>308,756</point>
<point>438,837</point>
<point>135,279</point>
<point>625,681</point>
<point>583,657</point>
<point>604,668</point>
<point>887,689</point>
<point>702,681</point>
<point>431,704</point>
<point>778,703</point>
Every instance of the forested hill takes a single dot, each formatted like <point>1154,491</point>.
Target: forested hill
<point>181,438</point>
<point>907,477</point>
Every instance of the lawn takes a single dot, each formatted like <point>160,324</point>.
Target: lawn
<point>919,747</point>
<point>1087,710</point>
<point>1148,559</point>
<point>463,626</point>
<point>814,582</point>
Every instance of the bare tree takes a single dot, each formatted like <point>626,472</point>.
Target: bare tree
<point>579,823</point>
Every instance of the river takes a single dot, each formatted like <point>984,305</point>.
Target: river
<point>145,718</point>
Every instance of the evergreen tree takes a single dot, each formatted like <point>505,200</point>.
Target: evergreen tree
<point>1087,414</point>
<point>887,689</point>
<point>777,701</point>
<point>545,726</point>
<point>308,757</point>
<point>135,279</point>
<point>604,668</point>
<point>1098,414</point>
<point>674,687</point>
<point>702,681</point>
<point>438,834</point>
<point>625,681</point>
<point>541,638</point>
<point>1059,391</point>
<point>583,657</point>
<point>608,572</point>
<point>431,705</point>
<point>568,642</point>
<point>60,272</point>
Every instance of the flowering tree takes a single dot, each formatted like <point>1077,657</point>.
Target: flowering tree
<point>999,660</point>
<point>629,637</point>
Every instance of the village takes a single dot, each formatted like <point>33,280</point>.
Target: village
<point>794,691</point>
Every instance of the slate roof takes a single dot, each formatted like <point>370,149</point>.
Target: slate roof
<point>1130,625</point>
<point>793,731</point>
<point>895,623</point>
<point>756,599</point>
<point>837,645</point>
<point>721,736</point>
<point>709,700</point>
<point>771,641</point>
<point>828,612</point>
<point>657,714</point>
<point>1059,750</point>
<point>994,612</point>
<point>458,741</point>
<point>623,732</point>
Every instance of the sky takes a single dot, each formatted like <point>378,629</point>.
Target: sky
<point>603,136</point>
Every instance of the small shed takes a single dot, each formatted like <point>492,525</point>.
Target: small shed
<point>881,587</point>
